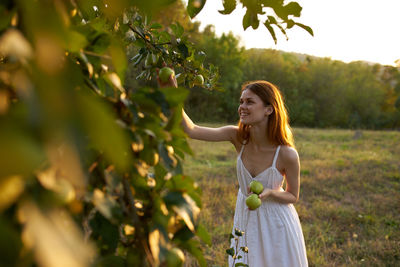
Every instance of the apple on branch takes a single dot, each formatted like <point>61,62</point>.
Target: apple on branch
<point>165,73</point>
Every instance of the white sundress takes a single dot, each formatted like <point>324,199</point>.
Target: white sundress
<point>273,233</point>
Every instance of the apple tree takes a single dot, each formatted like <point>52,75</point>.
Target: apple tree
<point>90,169</point>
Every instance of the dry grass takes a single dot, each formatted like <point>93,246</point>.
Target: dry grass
<point>349,201</point>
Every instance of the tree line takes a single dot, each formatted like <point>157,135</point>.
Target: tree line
<point>319,92</point>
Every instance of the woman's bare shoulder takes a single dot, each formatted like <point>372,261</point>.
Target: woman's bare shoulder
<point>289,154</point>
<point>234,130</point>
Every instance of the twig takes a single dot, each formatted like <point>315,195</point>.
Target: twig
<point>132,212</point>
<point>131,200</point>
<point>96,55</point>
<point>146,40</point>
<point>92,85</point>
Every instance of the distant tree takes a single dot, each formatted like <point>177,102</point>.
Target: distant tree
<point>225,53</point>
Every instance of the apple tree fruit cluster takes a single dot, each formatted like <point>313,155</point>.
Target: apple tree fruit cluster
<point>90,170</point>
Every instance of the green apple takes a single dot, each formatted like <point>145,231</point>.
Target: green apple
<point>253,202</point>
<point>175,257</point>
<point>256,187</point>
<point>151,59</point>
<point>165,73</point>
<point>198,79</point>
<point>148,62</point>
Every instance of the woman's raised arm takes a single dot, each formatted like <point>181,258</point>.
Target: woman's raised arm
<point>225,133</point>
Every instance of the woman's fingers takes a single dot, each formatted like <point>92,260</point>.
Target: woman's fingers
<point>265,193</point>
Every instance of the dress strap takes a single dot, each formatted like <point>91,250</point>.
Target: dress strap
<point>276,156</point>
<point>241,151</point>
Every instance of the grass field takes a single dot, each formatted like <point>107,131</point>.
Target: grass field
<point>349,203</point>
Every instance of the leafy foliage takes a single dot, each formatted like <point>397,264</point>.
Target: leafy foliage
<point>235,250</point>
<point>80,143</point>
<point>275,14</point>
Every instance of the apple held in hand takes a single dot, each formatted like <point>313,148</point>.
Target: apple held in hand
<point>165,73</point>
<point>256,187</point>
<point>253,202</point>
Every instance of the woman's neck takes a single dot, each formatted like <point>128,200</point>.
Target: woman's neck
<point>258,136</point>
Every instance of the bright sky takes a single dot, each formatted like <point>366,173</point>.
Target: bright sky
<point>346,30</point>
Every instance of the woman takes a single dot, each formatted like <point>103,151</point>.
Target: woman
<point>266,153</point>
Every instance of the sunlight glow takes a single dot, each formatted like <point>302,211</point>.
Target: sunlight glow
<point>343,30</point>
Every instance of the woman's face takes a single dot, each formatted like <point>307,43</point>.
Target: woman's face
<point>252,109</point>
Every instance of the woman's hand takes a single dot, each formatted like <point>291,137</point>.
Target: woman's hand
<point>171,82</point>
<point>265,193</point>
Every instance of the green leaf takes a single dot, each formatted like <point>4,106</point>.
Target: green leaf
<point>246,20</point>
<point>137,59</point>
<point>194,7</point>
<point>155,26</point>
<point>193,247</point>
<point>100,43</point>
<point>75,41</point>
<point>118,56</point>
<point>229,6</point>
<point>307,28</point>
<point>238,232</point>
<point>203,234</point>
<point>106,205</point>
<point>183,49</point>
<point>272,20</point>
<point>271,31</point>
<point>186,208</point>
<point>86,8</point>
<point>10,244</point>
<point>110,260</point>
<point>281,12</point>
<point>104,233</point>
<point>183,235</point>
<point>255,22</point>
<point>175,119</point>
<point>174,198</point>
<point>241,264</point>
<point>293,8</point>
<point>177,29</point>
<point>175,96</point>
<point>181,183</point>
<point>106,135</point>
<point>165,37</point>
<point>20,153</point>
<point>5,18</point>
<point>290,24</point>
<point>231,251</point>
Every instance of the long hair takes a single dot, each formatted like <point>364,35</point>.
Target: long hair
<point>278,128</point>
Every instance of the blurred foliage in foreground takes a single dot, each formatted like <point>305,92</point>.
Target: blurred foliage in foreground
<point>91,171</point>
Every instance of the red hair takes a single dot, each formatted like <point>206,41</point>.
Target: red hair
<point>278,130</point>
